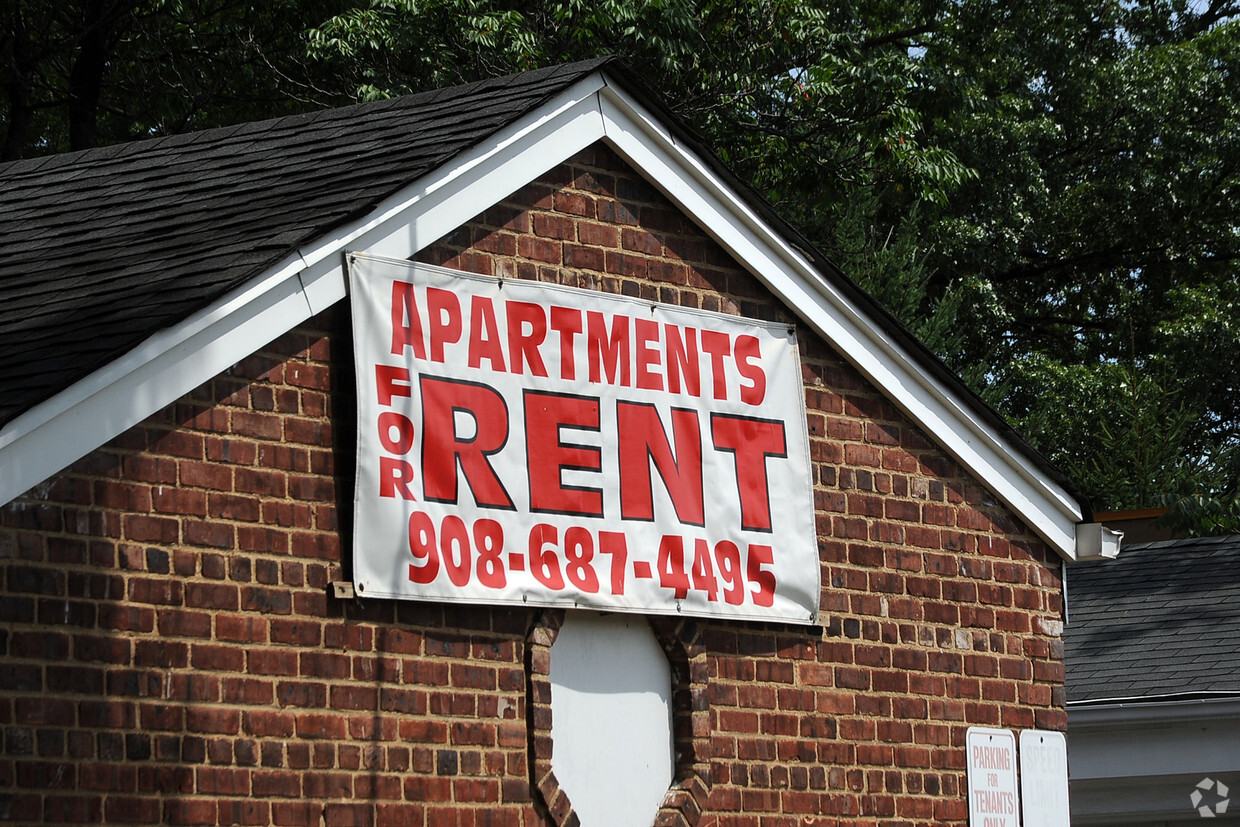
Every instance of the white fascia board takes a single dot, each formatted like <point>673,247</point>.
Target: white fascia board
<point>690,183</point>
<point>1139,713</point>
<point>174,361</point>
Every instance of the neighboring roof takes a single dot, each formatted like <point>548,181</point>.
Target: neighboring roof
<point>128,273</point>
<point>101,248</point>
<point>1161,621</point>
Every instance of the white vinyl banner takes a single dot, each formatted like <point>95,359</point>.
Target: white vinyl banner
<point>532,444</point>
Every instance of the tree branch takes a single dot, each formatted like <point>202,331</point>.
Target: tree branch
<point>904,35</point>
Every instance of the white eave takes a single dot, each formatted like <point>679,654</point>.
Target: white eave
<point>174,361</point>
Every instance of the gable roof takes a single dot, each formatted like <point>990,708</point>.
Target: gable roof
<point>1159,622</point>
<point>130,274</point>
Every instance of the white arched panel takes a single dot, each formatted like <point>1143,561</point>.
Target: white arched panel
<point>611,718</point>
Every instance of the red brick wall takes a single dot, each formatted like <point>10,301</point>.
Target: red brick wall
<point>171,652</point>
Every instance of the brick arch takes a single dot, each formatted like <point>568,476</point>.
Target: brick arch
<point>686,798</point>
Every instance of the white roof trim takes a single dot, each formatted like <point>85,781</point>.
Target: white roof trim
<point>55,433</point>
<point>1117,713</point>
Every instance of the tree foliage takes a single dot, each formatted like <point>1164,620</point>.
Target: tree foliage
<point>81,73</point>
<point>1104,222</point>
<point>782,87</point>
<point>1044,190</point>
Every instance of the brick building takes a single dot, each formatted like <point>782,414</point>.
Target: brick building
<point>182,642</point>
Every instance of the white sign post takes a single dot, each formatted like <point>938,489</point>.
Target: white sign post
<point>993,798</point>
<point>1044,778</point>
<point>531,444</point>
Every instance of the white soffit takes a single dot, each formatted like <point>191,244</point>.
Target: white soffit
<point>173,362</point>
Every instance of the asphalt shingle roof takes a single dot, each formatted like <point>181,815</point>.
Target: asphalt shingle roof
<point>1162,619</point>
<point>102,248</point>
